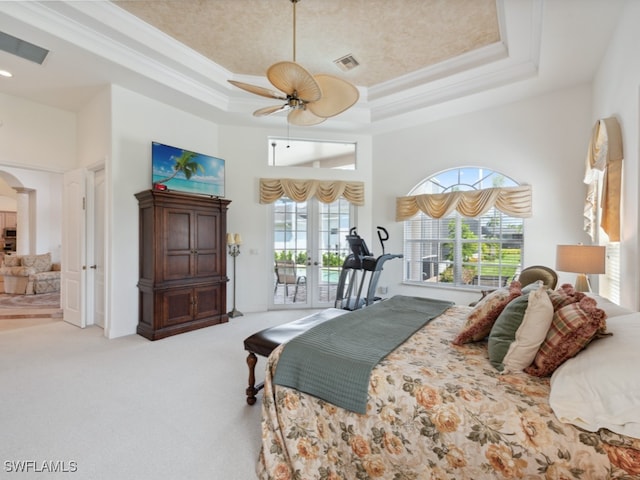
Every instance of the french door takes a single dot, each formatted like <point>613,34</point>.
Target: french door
<point>309,247</point>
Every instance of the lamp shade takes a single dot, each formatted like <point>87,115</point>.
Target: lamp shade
<point>580,258</point>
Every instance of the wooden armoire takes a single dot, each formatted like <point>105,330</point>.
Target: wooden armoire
<point>183,262</point>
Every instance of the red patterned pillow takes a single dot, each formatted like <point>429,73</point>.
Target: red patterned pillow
<point>483,316</point>
<point>572,328</point>
<point>564,295</point>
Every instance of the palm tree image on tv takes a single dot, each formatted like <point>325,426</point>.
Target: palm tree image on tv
<point>186,171</point>
<point>185,165</point>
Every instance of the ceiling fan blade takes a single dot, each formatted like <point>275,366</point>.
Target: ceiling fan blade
<point>337,96</point>
<point>263,112</point>
<point>291,77</point>
<point>303,117</point>
<point>265,92</point>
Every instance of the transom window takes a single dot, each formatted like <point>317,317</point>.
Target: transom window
<point>454,250</point>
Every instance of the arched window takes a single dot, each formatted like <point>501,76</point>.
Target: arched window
<point>455,250</point>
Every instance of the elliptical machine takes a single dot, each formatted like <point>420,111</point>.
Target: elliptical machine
<point>359,262</point>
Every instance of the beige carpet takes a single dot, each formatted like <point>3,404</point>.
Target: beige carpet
<point>129,408</point>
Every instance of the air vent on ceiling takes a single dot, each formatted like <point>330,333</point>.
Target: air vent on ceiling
<point>346,63</point>
<point>22,48</point>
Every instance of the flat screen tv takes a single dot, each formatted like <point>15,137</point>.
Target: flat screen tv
<point>182,170</point>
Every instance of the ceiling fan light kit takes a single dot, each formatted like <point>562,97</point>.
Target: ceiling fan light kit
<point>309,99</point>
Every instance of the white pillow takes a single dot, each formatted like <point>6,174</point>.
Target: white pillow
<point>531,332</point>
<point>600,387</point>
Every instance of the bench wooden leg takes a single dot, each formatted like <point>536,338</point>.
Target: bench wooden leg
<point>251,389</point>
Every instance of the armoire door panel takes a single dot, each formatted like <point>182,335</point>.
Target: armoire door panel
<point>206,264</point>
<point>206,231</point>
<point>177,306</point>
<point>178,230</point>
<point>207,302</point>
<point>178,265</point>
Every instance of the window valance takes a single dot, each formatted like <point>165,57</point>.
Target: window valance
<point>514,201</point>
<point>604,154</point>
<point>326,191</point>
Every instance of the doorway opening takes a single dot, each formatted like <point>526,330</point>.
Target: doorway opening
<point>18,228</point>
<point>309,248</point>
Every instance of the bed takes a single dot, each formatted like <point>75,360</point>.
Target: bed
<point>437,410</point>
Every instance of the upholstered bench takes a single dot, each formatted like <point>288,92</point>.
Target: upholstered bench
<point>265,341</point>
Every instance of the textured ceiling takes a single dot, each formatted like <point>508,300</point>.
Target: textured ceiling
<point>389,38</point>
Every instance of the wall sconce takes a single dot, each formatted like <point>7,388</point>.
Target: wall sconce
<point>233,243</point>
<point>581,259</point>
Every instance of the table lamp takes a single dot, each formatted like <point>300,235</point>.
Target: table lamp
<point>581,259</point>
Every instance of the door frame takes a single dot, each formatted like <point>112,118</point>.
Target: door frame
<point>313,263</point>
<point>79,284</point>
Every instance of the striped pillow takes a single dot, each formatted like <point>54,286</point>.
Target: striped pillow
<point>564,295</point>
<point>572,328</point>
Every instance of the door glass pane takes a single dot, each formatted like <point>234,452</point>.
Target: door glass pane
<point>290,251</point>
<point>334,223</point>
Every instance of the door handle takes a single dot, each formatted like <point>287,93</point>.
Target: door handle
<point>93,266</point>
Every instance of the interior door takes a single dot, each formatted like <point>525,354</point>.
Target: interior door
<point>309,247</point>
<point>72,292</point>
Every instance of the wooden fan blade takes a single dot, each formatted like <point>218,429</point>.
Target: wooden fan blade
<point>303,118</point>
<point>292,78</point>
<point>337,96</point>
<point>263,112</point>
<point>265,92</point>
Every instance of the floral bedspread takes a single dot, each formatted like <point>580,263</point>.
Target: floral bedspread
<point>435,411</point>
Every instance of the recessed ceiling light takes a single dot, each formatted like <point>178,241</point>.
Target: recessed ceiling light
<point>5,73</point>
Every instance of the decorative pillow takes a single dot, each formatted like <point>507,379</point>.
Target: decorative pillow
<point>11,261</point>
<point>533,286</point>
<point>481,318</point>
<point>600,387</point>
<point>564,295</point>
<point>42,263</point>
<point>531,332</point>
<point>572,328</point>
<point>504,329</point>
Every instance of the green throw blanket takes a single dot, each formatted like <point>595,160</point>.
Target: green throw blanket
<point>333,360</point>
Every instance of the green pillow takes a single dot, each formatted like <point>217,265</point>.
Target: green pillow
<point>531,287</point>
<point>503,332</point>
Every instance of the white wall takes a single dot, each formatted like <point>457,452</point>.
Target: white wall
<point>540,141</point>
<point>37,144</point>
<point>136,122</point>
<point>616,93</point>
<point>245,151</point>
<point>8,195</point>
<point>35,135</point>
<point>94,131</point>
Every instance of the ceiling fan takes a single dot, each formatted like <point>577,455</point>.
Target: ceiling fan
<point>309,99</point>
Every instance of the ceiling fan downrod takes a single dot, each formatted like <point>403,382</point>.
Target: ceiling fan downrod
<point>294,28</point>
